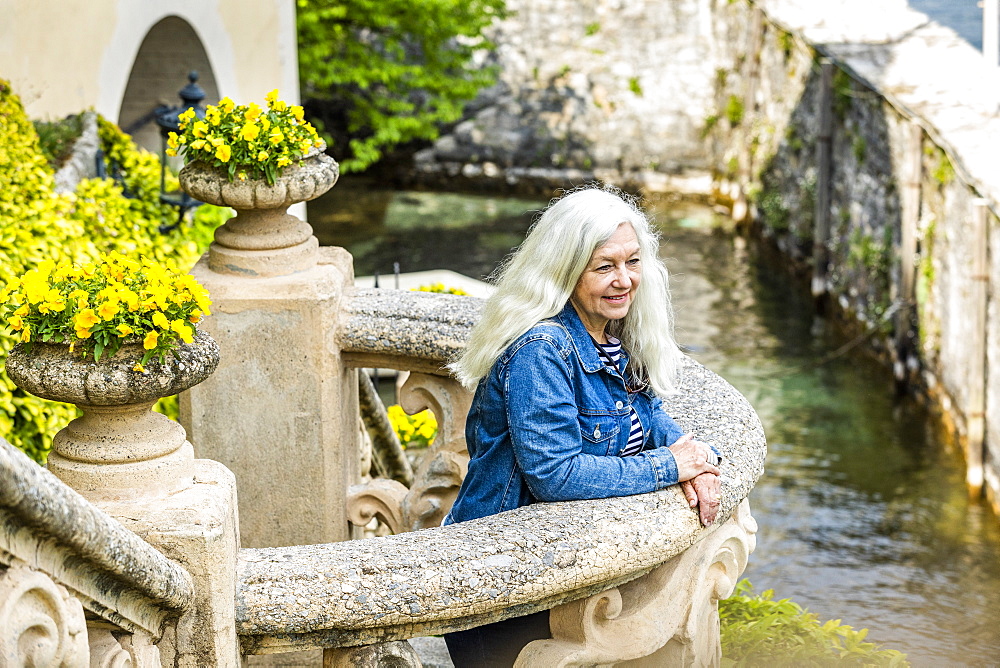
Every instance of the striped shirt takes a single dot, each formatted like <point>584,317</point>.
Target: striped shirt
<point>611,353</point>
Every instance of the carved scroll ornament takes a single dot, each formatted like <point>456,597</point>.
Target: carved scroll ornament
<point>668,617</point>
<point>41,624</point>
<point>440,472</point>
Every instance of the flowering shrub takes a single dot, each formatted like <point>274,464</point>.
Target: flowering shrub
<point>38,224</point>
<point>414,431</point>
<point>246,140</point>
<point>98,307</point>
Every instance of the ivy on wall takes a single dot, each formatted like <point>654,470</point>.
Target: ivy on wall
<point>37,223</point>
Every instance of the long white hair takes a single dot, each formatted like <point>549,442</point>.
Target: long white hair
<point>536,281</point>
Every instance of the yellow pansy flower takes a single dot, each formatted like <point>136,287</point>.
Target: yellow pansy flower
<point>185,331</point>
<point>249,131</point>
<point>86,319</point>
<point>226,105</point>
<point>26,334</point>
<point>253,111</point>
<point>262,156</point>
<point>271,97</point>
<point>298,112</point>
<point>160,320</point>
<point>224,152</point>
<point>150,341</point>
<point>276,136</point>
<point>125,330</point>
<point>108,310</point>
<point>200,129</point>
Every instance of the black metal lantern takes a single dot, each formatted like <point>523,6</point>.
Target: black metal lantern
<point>167,117</point>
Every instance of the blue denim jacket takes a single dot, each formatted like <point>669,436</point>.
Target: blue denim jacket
<point>549,422</point>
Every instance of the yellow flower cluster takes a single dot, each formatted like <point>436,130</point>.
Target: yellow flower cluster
<point>99,306</point>
<point>441,288</point>
<point>247,141</point>
<point>414,431</point>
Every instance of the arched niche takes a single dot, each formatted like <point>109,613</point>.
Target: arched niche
<point>170,50</point>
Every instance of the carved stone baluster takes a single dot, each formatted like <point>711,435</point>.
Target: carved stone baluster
<point>668,617</point>
<point>439,474</point>
<point>41,624</point>
<point>122,650</point>
<point>443,468</point>
<point>395,654</point>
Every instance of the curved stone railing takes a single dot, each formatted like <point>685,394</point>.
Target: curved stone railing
<point>602,566</point>
<point>410,331</point>
<point>59,549</point>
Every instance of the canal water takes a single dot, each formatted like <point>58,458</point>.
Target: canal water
<point>862,510</point>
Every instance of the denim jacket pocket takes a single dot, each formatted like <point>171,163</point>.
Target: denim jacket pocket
<point>598,433</point>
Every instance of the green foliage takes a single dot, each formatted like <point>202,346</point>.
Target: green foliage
<point>393,70</point>
<point>710,122</point>
<point>635,86</point>
<point>759,631</point>
<point>944,171</point>
<point>592,28</point>
<point>843,93</point>
<point>38,224</point>
<point>870,254</point>
<point>858,147</point>
<point>56,138</point>
<point>734,110</point>
<point>786,42</point>
<point>775,213</point>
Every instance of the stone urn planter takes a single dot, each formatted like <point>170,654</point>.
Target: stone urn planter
<point>263,239</point>
<point>119,448</point>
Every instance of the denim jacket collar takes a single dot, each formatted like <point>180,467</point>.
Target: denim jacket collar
<point>583,343</point>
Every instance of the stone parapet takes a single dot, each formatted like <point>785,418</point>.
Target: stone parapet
<point>462,575</point>
<point>406,330</point>
<point>115,573</point>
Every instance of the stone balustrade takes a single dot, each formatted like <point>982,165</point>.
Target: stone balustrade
<point>631,578</point>
<point>626,578</point>
<point>60,556</point>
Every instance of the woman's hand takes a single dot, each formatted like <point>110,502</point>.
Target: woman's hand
<point>704,491</point>
<point>693,458</point>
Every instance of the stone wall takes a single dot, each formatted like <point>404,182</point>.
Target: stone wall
<point>724,98</point>
<point>911,192</point>
<point>611,89</point>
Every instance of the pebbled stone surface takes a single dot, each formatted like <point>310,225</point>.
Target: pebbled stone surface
<point>51,371</point>
<point>423,325</point>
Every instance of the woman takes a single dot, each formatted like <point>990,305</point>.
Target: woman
<point>569,361</point>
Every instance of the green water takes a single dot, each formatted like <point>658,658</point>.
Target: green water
<point>862,510</point>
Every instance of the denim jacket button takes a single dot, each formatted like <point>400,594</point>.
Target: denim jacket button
<point>597,432</point>
<point>618,404</point>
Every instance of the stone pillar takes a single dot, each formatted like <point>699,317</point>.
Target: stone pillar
<point>138,467</point>
<point>281,411</point>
